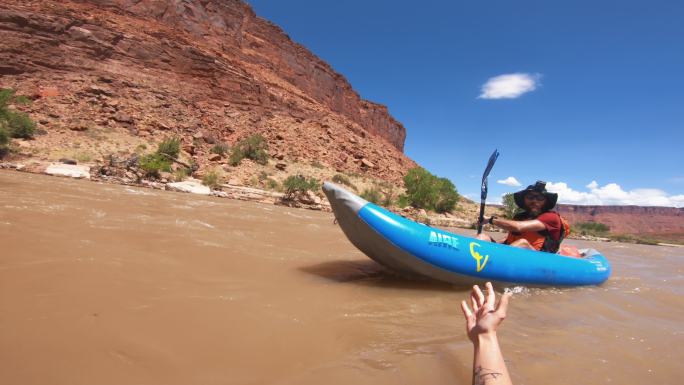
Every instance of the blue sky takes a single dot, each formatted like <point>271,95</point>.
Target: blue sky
<point>579,91</point>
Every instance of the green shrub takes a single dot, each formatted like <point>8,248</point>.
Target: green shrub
<point>426,191</point>
<point>169,147</point>
<point>253,147</point>
<point>447,196</point>
<point>20,125</point>
<point>220,148</point>
<point>509,206</point>
<point>403,201</point>
<point>299,183</point>
<point>372,195</point>
<point>152,164</point>
<point>15,123</point>
<point>212,179</point>
<point>591,228</point>
<point>341,179</point>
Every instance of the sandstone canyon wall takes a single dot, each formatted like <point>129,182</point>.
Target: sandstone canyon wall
<point>664,222</point>
<point>183,67</point>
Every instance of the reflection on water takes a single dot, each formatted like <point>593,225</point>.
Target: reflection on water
<point>112,284</point>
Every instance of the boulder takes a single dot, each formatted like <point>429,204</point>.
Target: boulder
<point>123,118</point>
<point>190,186</point>
<point>214,157</point>
<point>70,170</point>
<point>367,163</point>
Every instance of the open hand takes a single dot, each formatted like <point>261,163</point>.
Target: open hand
<point>485,316</point>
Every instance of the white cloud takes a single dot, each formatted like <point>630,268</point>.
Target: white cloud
<point>510,181</point>
<point>613,194</point>
<point>509,86</point>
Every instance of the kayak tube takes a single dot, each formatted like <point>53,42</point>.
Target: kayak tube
<point>414,249</point>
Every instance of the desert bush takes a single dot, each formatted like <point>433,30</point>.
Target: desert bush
<point>372,195</point>
<point>403,201</point>
<point>220,148</point>
<point>180,174</point>
<point>212,179</point>
<point>388,197</point>
<point>272,184</point>
<point>341,179</point>
<point>427,191</point>
<point>139,149</point>
<point>253,147</point>
<point>169,147</point>
<point>15,123</point>
<point>299,183</point>
<point>591,228</point>
<point>154,163</point>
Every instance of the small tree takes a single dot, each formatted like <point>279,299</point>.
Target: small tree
<point>299,183</point>
<point>446,197</point>
<point>424,190</point>
<point>509,206</point>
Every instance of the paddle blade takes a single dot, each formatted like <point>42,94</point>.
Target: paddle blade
<point>490,164</point>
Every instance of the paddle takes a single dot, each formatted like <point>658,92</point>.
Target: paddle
<point>483,191</point>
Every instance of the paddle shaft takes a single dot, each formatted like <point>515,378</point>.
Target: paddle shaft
<point>483,192</point>
<point>480,222</point>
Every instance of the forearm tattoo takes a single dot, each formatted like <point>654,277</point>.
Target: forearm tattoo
<point>482,375</point>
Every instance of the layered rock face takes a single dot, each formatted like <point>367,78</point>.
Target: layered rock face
<point>182,67</point>
<point>667,222</point>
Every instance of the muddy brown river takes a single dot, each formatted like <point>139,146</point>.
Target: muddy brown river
<point>107,284</point>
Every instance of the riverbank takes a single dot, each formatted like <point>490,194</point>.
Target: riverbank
<point>463,217</point>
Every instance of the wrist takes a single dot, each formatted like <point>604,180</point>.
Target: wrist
<point>491,219</point>
<point>485,339</point>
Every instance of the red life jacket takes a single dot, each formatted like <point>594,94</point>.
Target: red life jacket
<point>540,240</point>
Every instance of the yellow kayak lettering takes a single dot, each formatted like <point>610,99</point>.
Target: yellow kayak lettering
<point>478,257</point>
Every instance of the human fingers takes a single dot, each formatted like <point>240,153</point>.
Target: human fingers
<point>491,297</point>
<point>479,296</point>
<point>502,307</point>
<point>466,311</point>
<point>473,302</point>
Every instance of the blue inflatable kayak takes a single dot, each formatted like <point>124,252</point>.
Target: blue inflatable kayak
<point>414,249</point>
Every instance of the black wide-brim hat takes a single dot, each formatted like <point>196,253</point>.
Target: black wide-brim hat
<point>540,187</point>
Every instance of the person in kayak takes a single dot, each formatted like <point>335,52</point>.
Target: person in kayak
<point>537,227</point>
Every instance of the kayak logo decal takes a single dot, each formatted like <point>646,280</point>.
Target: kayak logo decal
<point>478,257</point>
<point>443,240</point>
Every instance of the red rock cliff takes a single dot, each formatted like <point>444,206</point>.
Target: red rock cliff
<point>218,38</point>
<point>640,220</point>
<point>168,67</point>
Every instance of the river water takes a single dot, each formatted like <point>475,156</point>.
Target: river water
<point>108,284</point>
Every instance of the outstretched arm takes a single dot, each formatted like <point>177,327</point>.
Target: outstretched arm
<point>519,226</point>
<point>488,364</point>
